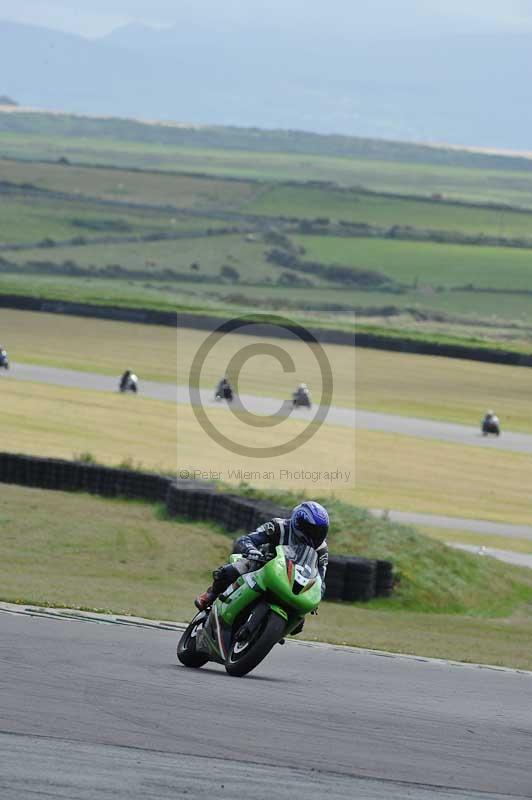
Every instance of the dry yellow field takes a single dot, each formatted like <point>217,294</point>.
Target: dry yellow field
<point>94,345</point>
<point>166,354</point>
<point>62,422</point>
<point>479,539</point>
<point>407,474</point>
<point>443,388</point>
<point>412,385</point>
<point>376,470</point>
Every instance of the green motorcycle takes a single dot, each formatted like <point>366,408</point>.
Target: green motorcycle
<point>254,613</point>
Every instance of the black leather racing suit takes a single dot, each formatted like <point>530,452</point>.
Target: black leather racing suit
<point>276,531</point>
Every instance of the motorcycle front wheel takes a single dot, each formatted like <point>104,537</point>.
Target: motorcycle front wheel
<point>245,655</point>
<point>186,648</point>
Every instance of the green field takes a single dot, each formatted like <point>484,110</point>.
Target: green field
<point>73,550</point>
<point>267,198</point>
<point>29,219</point>
<point>356,206</point>
<point>181,191</point>
<point>209,253</point>
<point>426,263</point>
<point>462,182</point>
<point>430,301</point>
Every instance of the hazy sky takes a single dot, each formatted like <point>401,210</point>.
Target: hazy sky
<point>380,18</point>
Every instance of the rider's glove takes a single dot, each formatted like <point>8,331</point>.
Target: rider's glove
<point>254,555</point>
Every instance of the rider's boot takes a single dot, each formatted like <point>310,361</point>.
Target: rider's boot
<point>223,577</point>
<point>205,599</point>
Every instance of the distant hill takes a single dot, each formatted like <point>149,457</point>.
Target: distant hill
<point>470,90</point>
<point>252,139</point>
<point>7,101</point>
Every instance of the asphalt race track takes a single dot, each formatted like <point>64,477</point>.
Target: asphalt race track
<point>99,711</point>
<point>348,417</point>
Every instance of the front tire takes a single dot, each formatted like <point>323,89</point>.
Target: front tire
<point>241,661</point>
<point>186,647</point>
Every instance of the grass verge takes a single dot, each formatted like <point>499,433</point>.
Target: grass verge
<point>126,557</point>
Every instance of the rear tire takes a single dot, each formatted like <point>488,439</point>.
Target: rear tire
<point>186,648</point>
<point>271,631</point>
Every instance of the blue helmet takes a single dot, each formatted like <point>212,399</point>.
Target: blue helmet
<point>309,523</point>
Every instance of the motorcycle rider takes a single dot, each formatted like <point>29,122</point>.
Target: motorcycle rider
<point>124,379</point>
<point>224,389</point>
<point>491,420</point>
<point>302,392</point>
<point>128,380</point>
<point>308,524</point>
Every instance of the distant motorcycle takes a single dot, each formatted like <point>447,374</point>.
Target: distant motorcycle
<point>224,392</point>
<point>4,360</point>
<point>491,425</point>
<point>301,397</point>
<point>129,382</point>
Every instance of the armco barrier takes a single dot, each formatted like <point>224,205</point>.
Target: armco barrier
<point>348,577</point>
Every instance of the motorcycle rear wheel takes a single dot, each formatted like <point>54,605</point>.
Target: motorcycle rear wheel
<point>241,661</point>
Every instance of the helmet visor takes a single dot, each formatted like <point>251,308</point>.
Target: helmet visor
<point>313,535</point>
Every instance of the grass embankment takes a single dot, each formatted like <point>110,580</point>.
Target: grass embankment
<point>125,557</point>
<point>377,470</point>
<point>420,386</point>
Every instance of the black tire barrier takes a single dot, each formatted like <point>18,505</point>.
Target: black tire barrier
<point>58,474</point>
<point>360,583</point>
<point>377,341</point>
<point>355,579</point>
<point>335,578</point>
<point>384,579</point>
<point>349,578</point>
